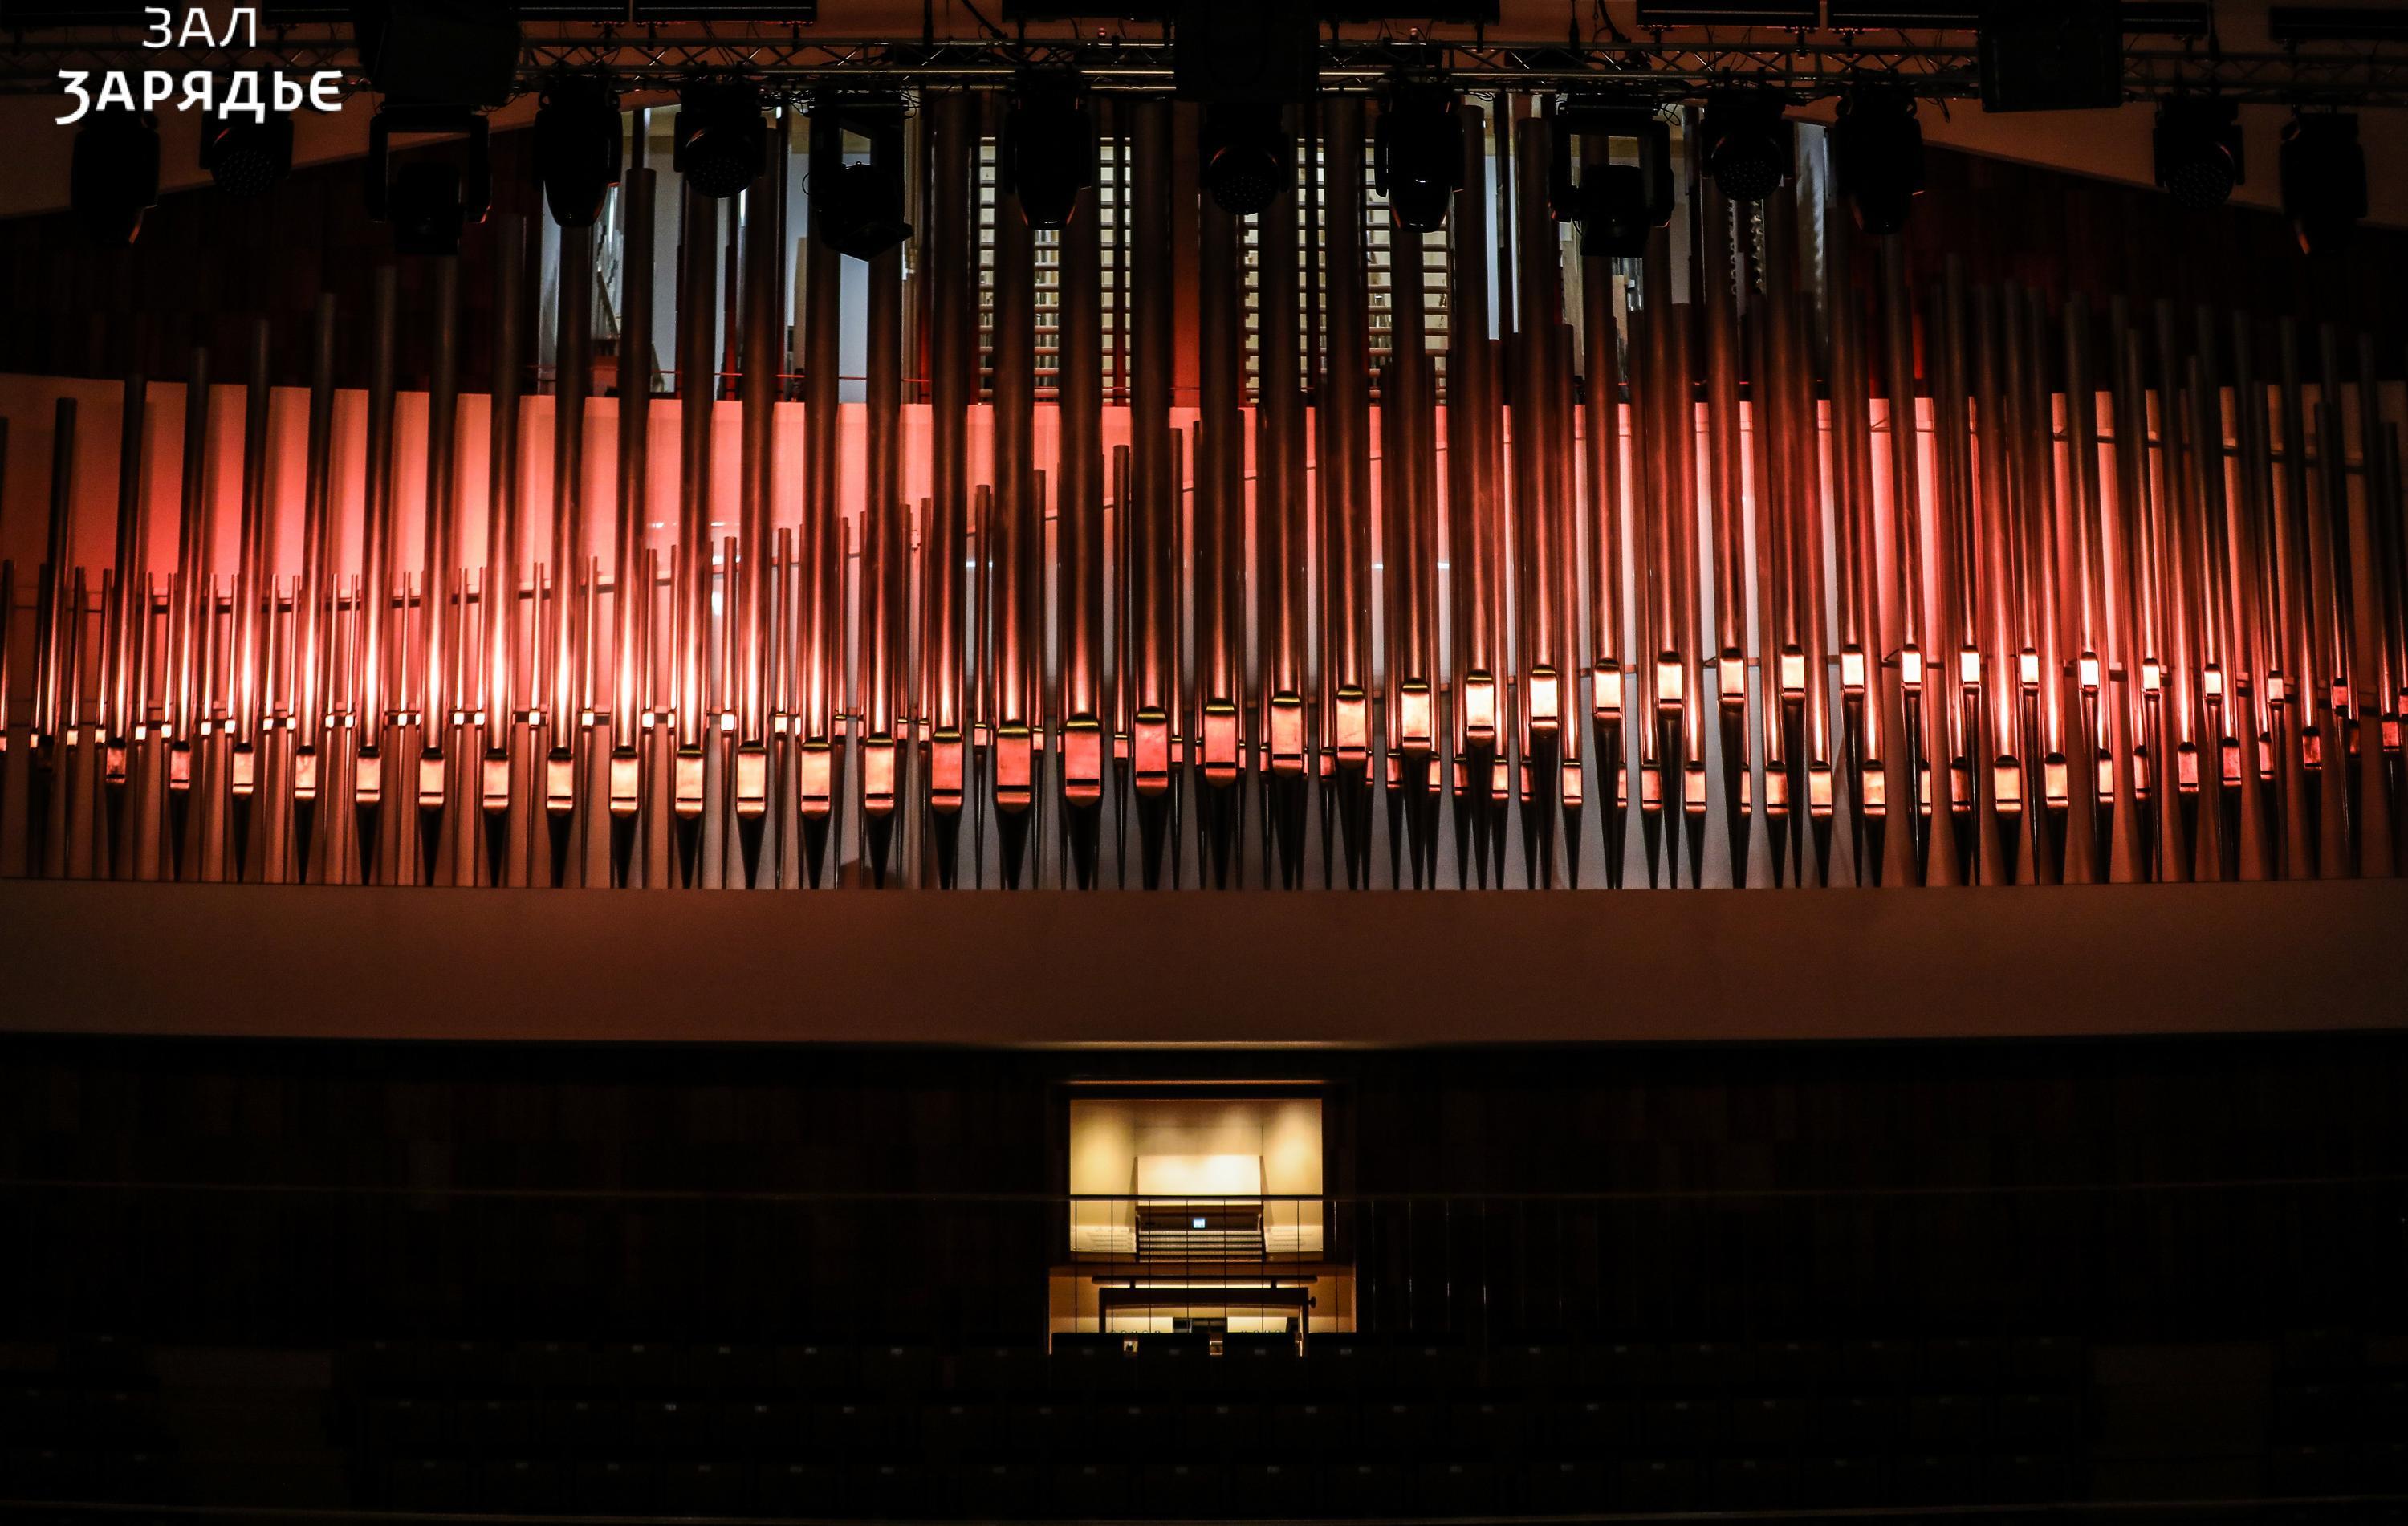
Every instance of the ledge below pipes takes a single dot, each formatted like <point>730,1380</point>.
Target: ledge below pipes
<point>1197,969</point>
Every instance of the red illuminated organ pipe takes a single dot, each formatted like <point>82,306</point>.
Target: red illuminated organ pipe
<point>1343,438</point>
<point>1084,735</point>
<point>1408,534</point>
<point>1019,536</point>
<point>885,689</point>
<point>1283,541</point>
<point>756,630</point>
<point>1218,698</point>
<point>1152,654</point>
<point>948,271</point>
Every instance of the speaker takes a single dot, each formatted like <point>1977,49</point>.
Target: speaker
<point>438,52</point>
<point>2051,56</point>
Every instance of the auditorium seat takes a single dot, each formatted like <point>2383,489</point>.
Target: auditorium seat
<point>1000,1371</point>
<point>1788,1366</point>
<point>1658,1483</point>
<point>1947,1421</point>
<point>1085,1364</point>
<point>1876,1365</point>
<point>1129,1430</point>
<point>492,1426</point>
<point>553,1366</point>
<point>577,1427</point>
<point>726,1370</point>
<point>1766,1422</point>
<point>1936,1478</point>
<point>1402,1429</point>
<point>1426,1368</point>
<point>1843,1482</point>
<point>1091,1491</point>
<point>639,1369</point>
<point>962,1433</point>
<point>1562,1487</point>
<point>898,1374</point>
<point>1276,1491</point>
<point>1492,1428</point>
<point>1222,1431</point>
<point>610,1488</point>
<point>1679,1425</point>
<point>2020,1479</point>
<point>1961,1363</point>
<point>1182,1490</point>
<point>703,1489</point>
<point>849,1431</point>
<point>518,1487</point>
<point>1588,1427</point>
<point>1752,1483</point>
<point>993,1491</point>
<point>814,1369</point>
<point>1309,1431</point>
<point>2042,1362</point>
<point>762,1427</point>
<point>1362,1489</point>
<point>1169,1367</point>
<point>430,1483</point>
<point>2036,1420</point>
<point>890,1491</point>
<point>800,1489</point>
<point>1453,1488</point>
<point>1532,1369</point>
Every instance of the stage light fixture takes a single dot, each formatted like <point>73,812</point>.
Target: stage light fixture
<point>2198,150</point>
<point>430,200</point>
<point>577,147</point>
<point>438,52</point>
<point>1615,207</point>
<point>722,142</point>
<point>1750,146</point>
<point>1877,155</point>
<point>1417,155</point>
<point>114,176</point>
<point>1048,149</point>
<point>858,212</point>
<point>2324,180</point>
<point>1249,159</point>
<point>248,158</point>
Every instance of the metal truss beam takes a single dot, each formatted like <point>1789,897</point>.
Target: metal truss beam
<point>1666,66</point>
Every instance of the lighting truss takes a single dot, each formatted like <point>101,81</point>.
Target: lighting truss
<point>1673,66</point>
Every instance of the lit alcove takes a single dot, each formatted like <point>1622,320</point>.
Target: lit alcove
<point>1199,1212</point>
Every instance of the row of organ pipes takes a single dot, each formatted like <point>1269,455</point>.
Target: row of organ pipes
<point>2120,599</point>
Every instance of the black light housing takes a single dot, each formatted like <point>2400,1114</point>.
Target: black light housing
<point>1751,148</point>
<point>858,212</point>
<point>578,150</point>
<point>114,177</point>
<point>1248,157</point>
<point>1047,147</point>
<point>430,200</point>
<point>2197,146</point>
<point>248,158</point>
<point>1417,155</point>
<point>1877,155</point>
<point>2324,180</point>
<point>722,144</point>
<point>1615,207</point>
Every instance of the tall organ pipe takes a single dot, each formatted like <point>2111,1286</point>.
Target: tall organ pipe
<point>632,597</point>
